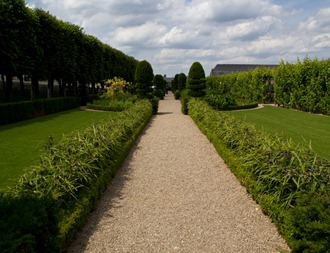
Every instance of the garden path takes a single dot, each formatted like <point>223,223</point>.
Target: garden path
<point>175,194</point>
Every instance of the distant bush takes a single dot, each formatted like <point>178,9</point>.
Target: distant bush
<point>177,94</point>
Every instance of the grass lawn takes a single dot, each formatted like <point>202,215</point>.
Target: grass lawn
<point>22,143</point>
<point>302,127</point>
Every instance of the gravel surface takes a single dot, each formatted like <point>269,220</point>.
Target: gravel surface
<point>175,194</point>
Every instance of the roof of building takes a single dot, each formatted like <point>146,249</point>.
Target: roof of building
<point>221,69</point>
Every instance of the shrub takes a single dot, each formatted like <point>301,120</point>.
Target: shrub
<point>184,101</point>
<point>72,174</point>
<point>285,179</point>
<point>28,224</point>
<point>182,80</point>
<point>177,94</point>
<point>221,102</point>
<point>175,83</point>
<point>143,79</point>
<point>14,112</point>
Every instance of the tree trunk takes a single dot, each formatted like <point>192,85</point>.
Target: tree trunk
<point>34,88</point>
<point>21,82</point>
<point>9,88</point>
<point>50,87</point>
<point>3,86</point>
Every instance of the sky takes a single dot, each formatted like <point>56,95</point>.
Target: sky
<point>172,34</point>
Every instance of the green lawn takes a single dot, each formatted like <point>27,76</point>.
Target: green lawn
<point>302,127</point>
<point>22,143</point>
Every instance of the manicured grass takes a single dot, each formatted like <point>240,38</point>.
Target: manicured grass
<point>302,127</point>
<point>22,143</point>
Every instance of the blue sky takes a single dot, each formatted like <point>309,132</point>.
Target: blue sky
<point>172,34</point>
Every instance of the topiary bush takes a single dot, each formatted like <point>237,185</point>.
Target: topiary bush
<point>143,79</point>
<point>182,80</point>
<point>196,80</point>
<point>177,94</point>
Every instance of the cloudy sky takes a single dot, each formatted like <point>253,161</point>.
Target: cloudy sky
<point>172,34</point>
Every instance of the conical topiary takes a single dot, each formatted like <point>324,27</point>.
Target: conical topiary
<point>143,78</point>
<point>196,80</point>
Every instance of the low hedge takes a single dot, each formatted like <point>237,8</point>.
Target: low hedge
<point>67,183</point>
<point>106,108</point>
<point>18,111</point>
<point>240,107</point>
<point>291,184</point>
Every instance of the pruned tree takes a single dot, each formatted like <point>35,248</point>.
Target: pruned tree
<point>196,80</point>
<point>143,78</point>
<point>182,80</point>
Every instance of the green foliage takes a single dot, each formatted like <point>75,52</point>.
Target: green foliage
<point>196,80</point>
<point>118,101</point>
<point>73,172</point>
<point>175,83</point>
<point>309,224</point>
<point>184,101</point>
<point>177,94</point>
<point>221,102</point>
<point>159,82</point>
<point>182,80</point>
<point>154,101</point>
<point>160,86</point>
<point>143,78</point>
<point>22,142</point>
<point>14,112</point>
<point>54,50</point>
<point>28,224</point>
<point>282,177</point>
<point>304,85</point>
<point>314,134</point>
<point>251,86</point>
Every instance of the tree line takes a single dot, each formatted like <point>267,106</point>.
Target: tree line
<point>304,85</point>
<point>35,43</point>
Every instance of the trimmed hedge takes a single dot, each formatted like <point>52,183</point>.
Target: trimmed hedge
<point>241,107</point>
<point>106,108</point>
<point>71,176</point>
<point>14,112</point>
<point>291,184</point>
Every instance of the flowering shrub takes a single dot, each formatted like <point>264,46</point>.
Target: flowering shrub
<point>116,86</point>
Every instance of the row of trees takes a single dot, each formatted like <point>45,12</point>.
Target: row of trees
<point>36,43</point>
<point>304,85</point>
<point>194,83</point>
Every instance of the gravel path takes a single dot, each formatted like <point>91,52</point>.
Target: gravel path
<point>175,194</point>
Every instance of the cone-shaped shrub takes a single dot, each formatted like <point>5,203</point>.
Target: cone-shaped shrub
<point>174,83</point>
<point>182,79</point>
<point>196,80</point>
<point>143,78</point>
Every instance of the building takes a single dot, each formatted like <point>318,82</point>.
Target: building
<point>222,69</point>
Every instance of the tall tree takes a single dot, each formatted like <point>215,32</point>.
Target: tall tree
<point>17,41</point>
